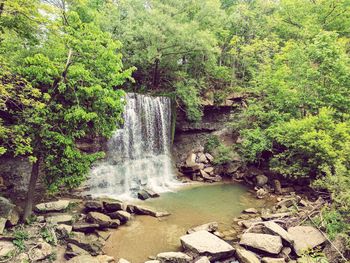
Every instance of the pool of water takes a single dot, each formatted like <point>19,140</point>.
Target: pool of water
<point>191,206</point>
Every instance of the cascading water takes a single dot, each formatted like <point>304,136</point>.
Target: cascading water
<point>138,155</point>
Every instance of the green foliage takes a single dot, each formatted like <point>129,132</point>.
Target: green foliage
<point>19,237</point>
<point>48,236</point>
<point>212,143</point>
<point>222,153</point>
<point>59,91</point>
<point>333,222</point>
<point>188,94</point>
<point>312,146</point>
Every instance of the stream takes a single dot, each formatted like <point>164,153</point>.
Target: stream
<point>193,205</point>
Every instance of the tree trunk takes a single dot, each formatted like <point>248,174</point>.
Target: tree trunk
<point>31,190</point>
<point>156,73</point>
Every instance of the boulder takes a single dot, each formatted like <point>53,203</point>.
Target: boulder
<point>209,157</point>
<point>112,206</point>
<point>209,170</point>
<point>191,160</point>
<point>263,242</point>
<point>250,211</point>
<point>143,195</point>
<point>57,219</point>
<point>274,228</point>
<point>173,257</point>
<point>73,251</point>
<point>104,234</point>
<point>56,206</point>
<point>122,260</point>
<point>40,251</point>
<point>90,243</point>
<point>210,227</point>
<point>90,259</point>
<point>261,180</point>
<point>95,206</point>
<point>102,220</point>
<point>273,260</point>
<point>250,222</point>
<point>2,225</point>
<point>305,237</point>
<point>122,216</point>
<point>202,260</point>
<point>143,210</point>
<point>201,158</point>
<point>13,218</point>
<point>63,230</point>
<point>85,227</point>
<point>268,217</point>
<point>261,193</point>
<point>151,193</point>
<point>6,248</point>
<point>6,207</point>
<point>204,243</point>
<point>246,256</point>
<point>277,187</point>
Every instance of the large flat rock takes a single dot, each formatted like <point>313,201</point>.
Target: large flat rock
<point>56,206</point>
<point>278,230</point>
<point>246,256</point>
<point>305,237</point>
<point>263,242</point>
<point>206,244</point>
<point>173,257</point>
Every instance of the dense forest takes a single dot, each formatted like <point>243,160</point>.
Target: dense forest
<point>65,66</point>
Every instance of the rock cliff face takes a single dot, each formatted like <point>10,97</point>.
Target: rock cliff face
<point>191,135</point>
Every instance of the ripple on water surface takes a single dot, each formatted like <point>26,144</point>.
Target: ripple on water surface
<point>147,236</point>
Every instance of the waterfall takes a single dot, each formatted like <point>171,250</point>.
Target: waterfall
<point>138,155</point>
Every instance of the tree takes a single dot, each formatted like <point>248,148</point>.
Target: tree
<point>75,71</point>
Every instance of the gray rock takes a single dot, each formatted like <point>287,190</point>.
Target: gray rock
<point>173,257</point>
<point>122,216</point>
<point>90,259</point>
<point>210,227</point>
<point>209,170</point>
<point>122,260</point>
<point>73,251</point>
<point>90,243</point>
<point>209,157</point>
<point>112,206</point>
<point>6,207</point>
<point>202,260</point>
<point>261,180</point>
<point>250,211</point>
<point>2,225</point>
<point>143,195</point>
<point>63,230</point>
<point>278,230</point>
<point>204,243</point>
<point>13,218</point>
<point>248,223</point>
<point>40,251</point>
<point>6,248</point>
<point>202,158</point>
<point>104,234</point>
<point>261,193</point>
<point>272,260</point>
<point>268,217</point>
<point>246,256</point>
<point>56,206</point>
<point>143,210</point>
<point>57,219</point>
<point>85,227</point>
<point>151,193</point>
<point>305,237</point>
<point>102,220</point>
<point>263,242</point>
<point>95,206</point>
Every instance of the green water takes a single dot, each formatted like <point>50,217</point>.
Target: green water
<point>195,205</point>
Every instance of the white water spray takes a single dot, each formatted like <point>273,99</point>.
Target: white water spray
<point>138,154</point>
